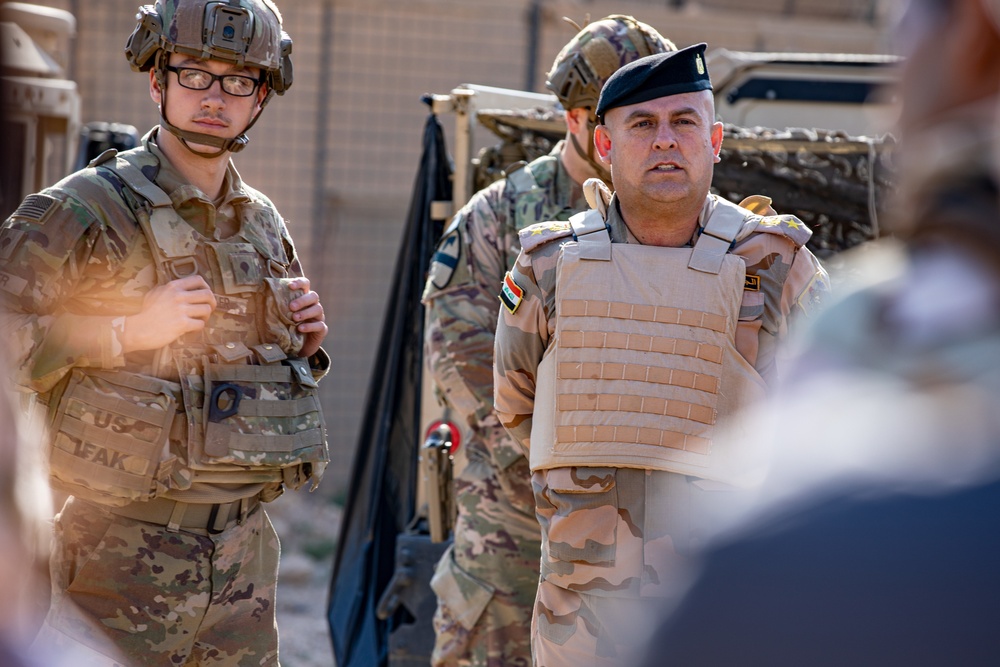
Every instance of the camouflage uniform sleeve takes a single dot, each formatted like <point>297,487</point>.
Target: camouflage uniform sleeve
<point>523,335</point>
<point>461,301</point>
<point>53,249</point>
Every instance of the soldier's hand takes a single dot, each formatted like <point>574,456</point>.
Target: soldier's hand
<point>168,312</point>
<point>307,312</point>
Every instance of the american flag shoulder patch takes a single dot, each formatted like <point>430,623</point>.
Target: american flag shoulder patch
<point>510,293</point>
<point>34,207</point>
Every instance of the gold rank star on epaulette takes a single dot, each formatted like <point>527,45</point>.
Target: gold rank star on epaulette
<point>554,226</point>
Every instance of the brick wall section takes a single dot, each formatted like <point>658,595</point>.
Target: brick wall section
<point>350,157</point>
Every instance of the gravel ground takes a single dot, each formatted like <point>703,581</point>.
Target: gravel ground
<point>308,525</point>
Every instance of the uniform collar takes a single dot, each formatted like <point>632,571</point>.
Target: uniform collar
<point>620,233</point>
<point>170,180</point>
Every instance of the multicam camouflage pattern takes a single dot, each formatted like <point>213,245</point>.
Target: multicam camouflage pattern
<point>486,581</point>
<point>124,587</point>
<point>595,53</point>
<point>74,263</point>
<point>617,532</point>
<point>496,535</point>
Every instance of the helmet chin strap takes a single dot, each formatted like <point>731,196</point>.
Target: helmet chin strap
<point>234,145</point>
<point>588,156</point>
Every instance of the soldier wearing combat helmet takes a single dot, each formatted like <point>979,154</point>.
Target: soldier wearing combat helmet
<point>625,334</point>
<point>157,307</point>
<point>486,582</point>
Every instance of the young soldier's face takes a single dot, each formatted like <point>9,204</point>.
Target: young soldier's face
<point>664,149</point>
<point>210,111</point>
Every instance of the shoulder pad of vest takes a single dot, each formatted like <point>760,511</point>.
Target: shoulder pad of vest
<point>103,157</point>
<point>788,226</point>
<point>539,234</point>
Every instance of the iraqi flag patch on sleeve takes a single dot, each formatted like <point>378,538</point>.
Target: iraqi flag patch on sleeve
<point>510,293</point>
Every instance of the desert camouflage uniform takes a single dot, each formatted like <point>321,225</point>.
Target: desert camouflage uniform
<point>486,581</point>
<point>73,264</point>
<point>613,540</point>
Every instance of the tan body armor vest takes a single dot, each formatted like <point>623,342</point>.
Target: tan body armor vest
<point>644,361</point>
<point>233,404</point>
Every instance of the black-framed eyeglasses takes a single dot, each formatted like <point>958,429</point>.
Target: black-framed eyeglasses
<point>199,79</point>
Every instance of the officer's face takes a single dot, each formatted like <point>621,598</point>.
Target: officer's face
<point>662,150</point>
<point>212,110</point>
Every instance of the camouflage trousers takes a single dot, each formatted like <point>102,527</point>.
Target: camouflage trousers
<point>130,593</point>
<point>617,547</point>
<point>485,582</point>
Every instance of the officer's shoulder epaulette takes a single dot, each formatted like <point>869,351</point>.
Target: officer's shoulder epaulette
<point>788,226</point>
<point>537,235</point>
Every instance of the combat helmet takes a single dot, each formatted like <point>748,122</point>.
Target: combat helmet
<point>244,32</point>
<point>594,54</point>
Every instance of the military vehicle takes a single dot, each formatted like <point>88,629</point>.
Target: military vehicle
<point>806,130</point>
<point>41,104</point>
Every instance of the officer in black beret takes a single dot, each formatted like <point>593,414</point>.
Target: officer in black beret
<point>626,335</point>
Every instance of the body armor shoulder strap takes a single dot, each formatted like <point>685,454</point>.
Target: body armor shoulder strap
<point>591,232</point>
<point>723,224</point>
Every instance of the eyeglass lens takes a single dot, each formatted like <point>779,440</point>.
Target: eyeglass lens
<point>197,79</point>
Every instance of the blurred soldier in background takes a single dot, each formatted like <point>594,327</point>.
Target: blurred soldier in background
<point>486,581</point>
<point>156,305</point>
<point>879,534</point>
<point>624,335</point>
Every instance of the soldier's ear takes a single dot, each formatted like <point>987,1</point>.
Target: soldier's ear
<point>154,87</point>
<point>602,142</point>
<point>717,131</point>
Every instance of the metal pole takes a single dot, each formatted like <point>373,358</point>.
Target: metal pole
<point>534,35</point>
<point>323,114</point>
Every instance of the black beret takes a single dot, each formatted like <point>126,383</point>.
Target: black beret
<point>658,75</point>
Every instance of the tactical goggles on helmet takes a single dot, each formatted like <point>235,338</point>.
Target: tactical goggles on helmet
<point>198,79</point>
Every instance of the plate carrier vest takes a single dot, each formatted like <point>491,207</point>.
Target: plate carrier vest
<point>239,405</point>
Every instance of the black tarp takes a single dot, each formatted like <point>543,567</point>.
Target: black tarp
<point>382,496</point>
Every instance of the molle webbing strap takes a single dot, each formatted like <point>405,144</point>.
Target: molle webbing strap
<point>97,475</point>
<point>643,313</point>
<point>633,435</point>
<point>591,233</point>
<point>276,443</point>
<point>294,407</point>
<point>246,373</point>
<point>673,377</point>
<point>717,237</point>
<point>642,343</point>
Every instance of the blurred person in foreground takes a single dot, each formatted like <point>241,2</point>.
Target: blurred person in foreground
<point>626,334</point>
<point>25,510</point>
<point>878,533</point>
<point>486,581</point>
<point>156,305</point>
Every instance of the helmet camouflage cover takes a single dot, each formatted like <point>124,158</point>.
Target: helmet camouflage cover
<point>245,32</point>
<point>595,53</point>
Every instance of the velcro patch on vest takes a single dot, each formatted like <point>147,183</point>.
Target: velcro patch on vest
<point>231,305</point>
<point>751,284</point>
<point>9,240</point>
<point>511,293</point>
<point>34,207</point>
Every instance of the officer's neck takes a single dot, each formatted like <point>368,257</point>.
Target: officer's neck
<point>669,226</point>
<point>208,174</point>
